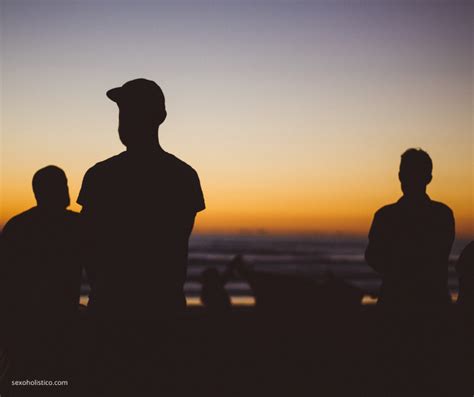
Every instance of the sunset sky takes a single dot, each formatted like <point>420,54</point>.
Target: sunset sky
<point>294,114</point>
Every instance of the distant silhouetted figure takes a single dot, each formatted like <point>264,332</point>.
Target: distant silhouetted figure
<point>410,241</point>
<point>213,293</point>
<point>297,294</point>
<point>139,207</point>
<point>465,270</point>
<point>40,278</point>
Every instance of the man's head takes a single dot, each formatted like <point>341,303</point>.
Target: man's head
<point>141,111</point>
<point>50,188</point>
<point>415,171</point>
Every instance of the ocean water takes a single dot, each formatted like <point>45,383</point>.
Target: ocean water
<point>309,256</point>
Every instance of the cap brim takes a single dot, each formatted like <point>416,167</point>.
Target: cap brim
<point>114,94</point>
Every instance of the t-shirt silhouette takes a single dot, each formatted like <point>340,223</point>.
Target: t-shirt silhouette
<point>140,211</point>
<point>40,272</point>
<point>409,244</point>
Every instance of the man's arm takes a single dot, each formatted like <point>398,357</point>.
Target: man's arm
<point>451,231</point>
<point>87,227</point>
<point>190,224</point>
<point>7,248</point>
<point>88,246</point>
<point>8,252</point>
<point>377,253</point>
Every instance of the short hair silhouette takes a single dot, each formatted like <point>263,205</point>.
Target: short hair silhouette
<point>416,167</point>
<point>410,240</point>
<point>41,265</point>
<point>50,188</point>
<point>142,109</point>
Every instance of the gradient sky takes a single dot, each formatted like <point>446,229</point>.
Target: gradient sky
<point>294,114</point>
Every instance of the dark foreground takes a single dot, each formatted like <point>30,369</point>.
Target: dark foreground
<point>247,352</point>
<point>329,354</point>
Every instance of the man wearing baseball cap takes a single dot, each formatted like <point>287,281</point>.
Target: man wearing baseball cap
<point>140,207</point>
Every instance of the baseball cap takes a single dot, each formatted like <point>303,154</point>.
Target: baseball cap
<point>138,91</point>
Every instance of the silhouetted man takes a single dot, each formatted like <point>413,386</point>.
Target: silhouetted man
<point>409,245</point>
<point>139,207</point>
<point>40,277</point>
<point>410,241</point>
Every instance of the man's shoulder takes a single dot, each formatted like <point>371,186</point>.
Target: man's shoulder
<point>120,160</point>
<point>395,208</point>
<point>97,175</point>
<point>106,164</point>
<point>188,179</point>
<point>387,210</point>
<point>180,166</point>
<point>20,220</point>
<point>441,207</point>
<point>441,211</point>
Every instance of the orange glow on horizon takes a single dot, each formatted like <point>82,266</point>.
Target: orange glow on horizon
<point>291,216</point>
<point>294,117</point>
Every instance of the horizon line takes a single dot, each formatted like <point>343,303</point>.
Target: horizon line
<point>263,232</point>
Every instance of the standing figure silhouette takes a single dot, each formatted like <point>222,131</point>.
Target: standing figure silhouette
<point>40,276</point>
<point>409,245</point>
<point>410,241</point>
<point>139,208</point>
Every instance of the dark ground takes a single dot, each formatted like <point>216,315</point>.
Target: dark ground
<point>247,352</point>
<point>325,354</point>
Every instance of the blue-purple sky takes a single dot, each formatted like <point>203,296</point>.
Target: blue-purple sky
<point>293,113</point>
